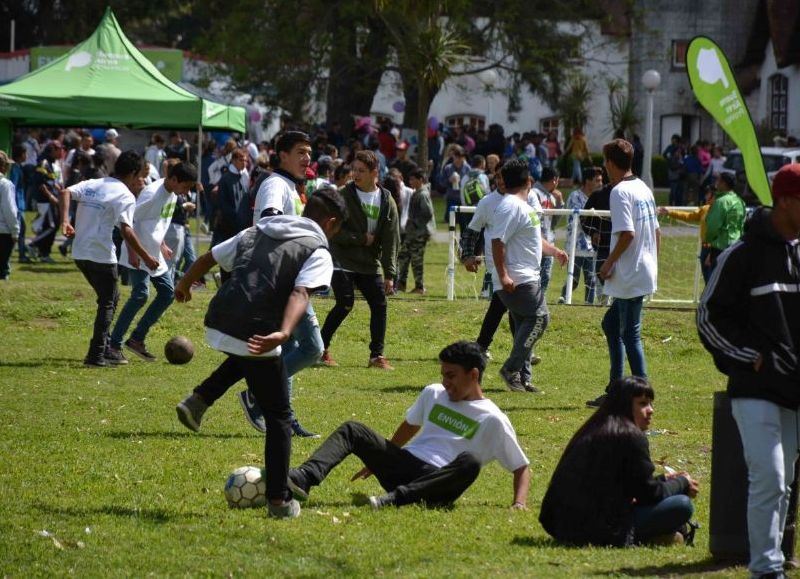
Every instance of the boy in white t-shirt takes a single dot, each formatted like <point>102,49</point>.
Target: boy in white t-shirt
<point>153,214</point>
<point>630,271</point>
<point>102,205</point>
<point>459,432</point>
<point>517,249</point>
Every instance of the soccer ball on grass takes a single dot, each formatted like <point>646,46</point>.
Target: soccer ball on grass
<point>246,488</point>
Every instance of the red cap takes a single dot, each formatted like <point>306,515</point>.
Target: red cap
<point>402,145</point>
<point>786,182</point>
<point>310,173</point>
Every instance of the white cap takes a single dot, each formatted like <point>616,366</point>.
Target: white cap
<point>111,134</point>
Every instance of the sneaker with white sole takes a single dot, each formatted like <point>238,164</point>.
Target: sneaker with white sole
<point>300,432</point>
<point>138,348</point>
<point>380,502</point>
<point>252,411</point>
<point>380,362</point>
<point>190,411</point>
<point>287,510</point>
<point>512,380</point>
<point>115,357</point>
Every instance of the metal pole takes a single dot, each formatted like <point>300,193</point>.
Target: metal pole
<point>451,257</point>
<point>697,272</point>
<point>648,142</point>
<point>571,242</point>
<point>13,42</point>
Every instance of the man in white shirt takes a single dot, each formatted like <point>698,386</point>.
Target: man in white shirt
<point>153,214</point>
<point>517,249</point>
<point>250,320</point>
<point>86,146</point>
<point>629,274</point>
<point>459,429</point>
<point>102,205</point>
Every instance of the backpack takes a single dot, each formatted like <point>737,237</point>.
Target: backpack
<point>534,166</point>
<point>474,190</point>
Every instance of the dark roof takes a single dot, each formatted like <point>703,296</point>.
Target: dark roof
<point>776,20</point>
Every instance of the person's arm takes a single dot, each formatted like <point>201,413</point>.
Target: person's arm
<point>688,216</point>
<point>550,249</point>
<point>499,256</point>
<point>658,241</point>
<point>639,481</point>
<point>522,481</point>
<point>134,244</point>
<point>401,436</point>
<point>390,243</point>
<point>623,242</point>
<point>63,204</point>
<point>201,266</point>
<point>294,310</point>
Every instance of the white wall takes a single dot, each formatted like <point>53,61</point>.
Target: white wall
<point>768,68</point>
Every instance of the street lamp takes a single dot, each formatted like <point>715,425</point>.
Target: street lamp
<point>650,80</point>
<point>488,77</point>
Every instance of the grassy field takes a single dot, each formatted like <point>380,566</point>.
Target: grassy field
<point>100,479</point>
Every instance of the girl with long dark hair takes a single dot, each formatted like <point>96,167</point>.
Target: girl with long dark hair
<point>603,491</point>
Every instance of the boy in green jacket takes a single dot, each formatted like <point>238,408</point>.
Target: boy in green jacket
<point>419,229</point>
<point>725,219</point>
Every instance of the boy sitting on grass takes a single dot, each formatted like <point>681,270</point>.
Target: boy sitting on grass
<point>461,431</point>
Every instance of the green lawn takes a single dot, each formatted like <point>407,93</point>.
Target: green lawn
<point>97,460</point>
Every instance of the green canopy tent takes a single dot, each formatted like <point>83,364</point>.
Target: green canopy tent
<point>105,81</point>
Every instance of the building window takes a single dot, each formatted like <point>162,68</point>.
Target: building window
<point>778,102</point>
<point>475,121</point>
<point>549,124</point>
<point>679,48</point>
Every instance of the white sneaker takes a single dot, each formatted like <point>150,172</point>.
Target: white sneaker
<point>288,510</point>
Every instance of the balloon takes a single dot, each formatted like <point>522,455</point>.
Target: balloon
<point>399,106</point>
<point>433,123</point>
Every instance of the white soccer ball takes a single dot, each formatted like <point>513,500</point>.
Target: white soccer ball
<point>246,488</point>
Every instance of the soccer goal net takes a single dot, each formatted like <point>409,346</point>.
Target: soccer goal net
<point>679,279</point>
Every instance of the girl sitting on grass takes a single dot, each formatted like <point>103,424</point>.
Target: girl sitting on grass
<point>603,491</point>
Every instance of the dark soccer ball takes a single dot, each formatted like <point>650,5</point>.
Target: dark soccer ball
<point>179,350</point>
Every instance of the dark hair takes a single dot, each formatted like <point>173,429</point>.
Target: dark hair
<point>614,418</point>
<point>620,153</point>
<point>466,354</point>
<point>478,160</point>
<point>590,173</point>
<point>418,173</point>
<point>548,174</point>
<point>324,167</point>
<point>393,185</point>
<point>341,170</point>
<point>515,174</point>
<point>128,163</point>
<point>369,158</point>
<point>289,139</point>
<point>183,172</point>
<point>729,179</point>
<point>326,202</point>
<point>17,151</point>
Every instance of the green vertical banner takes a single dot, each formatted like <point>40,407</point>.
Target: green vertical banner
<point>715,87</point>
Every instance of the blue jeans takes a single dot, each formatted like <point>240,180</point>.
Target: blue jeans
<point>662,518</point>
<point>165,294</point>
<point>769,437</point>
<point>21,247</point>
<point>189,254</point>
<point>622,326</point>
<point>577,171</point>
<point>303,349</point>
<point>585,264</point>
<point>546,272</point>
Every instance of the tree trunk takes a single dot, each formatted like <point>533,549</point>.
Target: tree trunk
<point>423,104</point>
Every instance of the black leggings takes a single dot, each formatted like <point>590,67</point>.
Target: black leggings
<point>343,285</point>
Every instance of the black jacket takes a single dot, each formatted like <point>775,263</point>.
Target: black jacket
<point>751,306</point>
<point>590,497</point>
<point>600,200</point>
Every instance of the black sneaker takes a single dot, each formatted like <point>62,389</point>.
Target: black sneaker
<point>140,350</point>
<point>596,402</point>
<point>298,489</point>
<point>96,363</point>
<point>252,412</point>
<point>62,249</point>
<point>382,501</point>
<point>299,431</point>
<point>190,411</point>
<point>115,357</point>
<point>512,380</point>
<point>531,388</point>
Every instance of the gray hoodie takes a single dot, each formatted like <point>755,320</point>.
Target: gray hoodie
<point>8,208</point>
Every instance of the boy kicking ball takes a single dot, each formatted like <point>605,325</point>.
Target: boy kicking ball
<point>437,452</point>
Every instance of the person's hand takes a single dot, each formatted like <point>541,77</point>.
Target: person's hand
<point>562,257</point>
<point>364,473</point>
<point>133,260</point>
<point>595,238</point>
<point>519,507</point>
<point>758,363</point>
<point>694,486</point>
<point>369,239</point>
<point>183,291</point>
<point>388,287</point>
<point>662,211</point>
<point>67,229</point>
<point>507,283</point>
<point>166,252</point>
<point>707,261</point>
<point>260,344</point>
<point>189,206</point>
<point>605,271</point>
<point>559,196</point>
<point>472,264</point>
<point>151,262</point>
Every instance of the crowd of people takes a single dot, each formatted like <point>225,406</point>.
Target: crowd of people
<point>304,213</point>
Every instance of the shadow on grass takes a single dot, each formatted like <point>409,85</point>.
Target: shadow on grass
<point>159,516</point>
<point>39,362</point>
<point>65,268</point>
<point>124,434</point>
<point>403,389</point>
<point>673,569</point>
<point>538,408</point>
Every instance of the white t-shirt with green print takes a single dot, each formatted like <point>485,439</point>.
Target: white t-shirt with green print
<point>450,428</point>
<point>371,206</point>
<point>518,225</point>
<point>154,208</point>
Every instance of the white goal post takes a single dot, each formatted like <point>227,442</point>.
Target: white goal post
<point>680,246</point>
